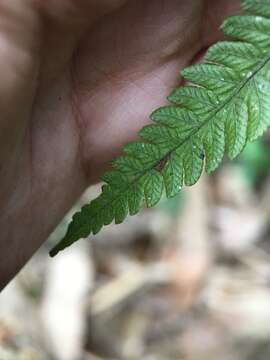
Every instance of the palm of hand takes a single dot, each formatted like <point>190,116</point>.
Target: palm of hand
<point>76,104</point>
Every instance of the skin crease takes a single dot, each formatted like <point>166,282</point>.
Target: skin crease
<point>79,78</point>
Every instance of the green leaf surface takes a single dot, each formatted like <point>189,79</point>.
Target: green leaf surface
<point>225,104</point>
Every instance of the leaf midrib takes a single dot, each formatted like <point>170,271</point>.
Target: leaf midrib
<point>188,138</point>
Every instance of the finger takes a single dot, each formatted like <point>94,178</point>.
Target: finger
<point>65,10</point>
<point>19,63</point>
<point>65,21</point>
<point>217,11</point>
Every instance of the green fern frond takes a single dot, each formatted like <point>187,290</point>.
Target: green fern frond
<point>226,105</point>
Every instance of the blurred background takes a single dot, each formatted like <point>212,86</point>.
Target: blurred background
<point>188,280</point>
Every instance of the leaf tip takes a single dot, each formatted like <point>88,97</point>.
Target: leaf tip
<point>54,252</point>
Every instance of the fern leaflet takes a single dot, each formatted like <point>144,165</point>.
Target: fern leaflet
<point>225,105</point>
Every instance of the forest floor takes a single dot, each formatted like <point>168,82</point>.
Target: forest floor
<point>188,280</point>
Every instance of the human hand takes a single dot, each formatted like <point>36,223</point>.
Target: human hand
<point>79,79</point>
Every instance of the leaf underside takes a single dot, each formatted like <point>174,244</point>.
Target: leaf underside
<point>225,105</point>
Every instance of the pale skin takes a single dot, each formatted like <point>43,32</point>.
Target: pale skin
<point>79,78</point>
